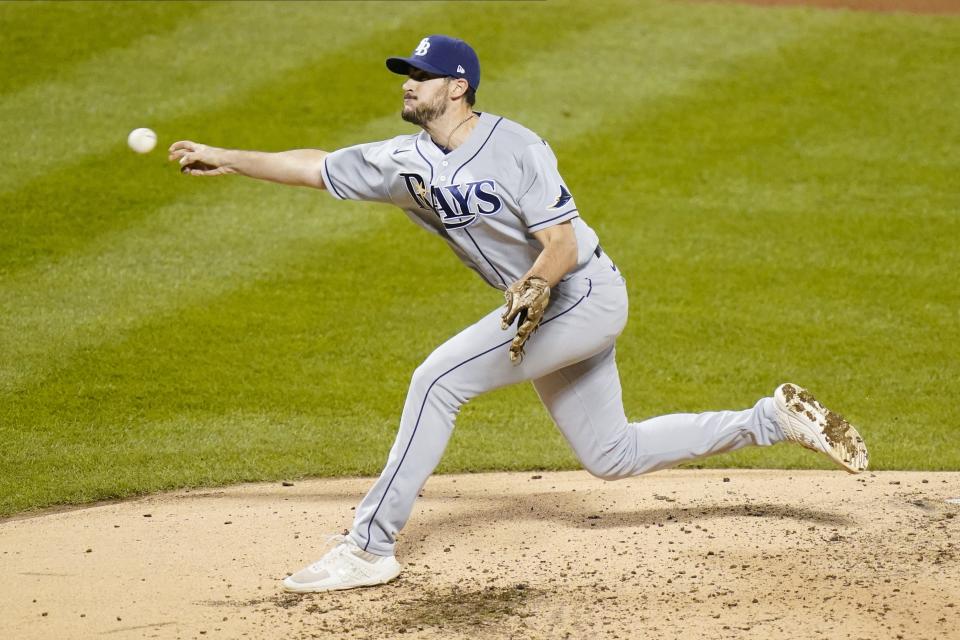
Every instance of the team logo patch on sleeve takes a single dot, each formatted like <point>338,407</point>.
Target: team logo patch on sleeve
<point>562,199</point>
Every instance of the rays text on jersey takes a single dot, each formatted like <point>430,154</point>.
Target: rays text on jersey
<point>457,205</point>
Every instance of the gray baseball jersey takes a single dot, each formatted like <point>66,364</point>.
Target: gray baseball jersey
<point>486,198</point>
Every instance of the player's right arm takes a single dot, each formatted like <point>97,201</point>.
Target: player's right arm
<point>300,167</point>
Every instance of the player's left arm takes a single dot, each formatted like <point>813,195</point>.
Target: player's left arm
<point>559,253</point>
<point>527,299</point>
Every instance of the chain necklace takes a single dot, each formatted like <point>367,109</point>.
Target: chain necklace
<point>467,119</point>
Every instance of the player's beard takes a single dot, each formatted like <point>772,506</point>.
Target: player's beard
<point>425,113</point>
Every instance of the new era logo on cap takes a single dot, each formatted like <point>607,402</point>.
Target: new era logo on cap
<point>443,56</point>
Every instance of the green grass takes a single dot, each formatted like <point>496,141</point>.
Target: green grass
<point>778,186</point>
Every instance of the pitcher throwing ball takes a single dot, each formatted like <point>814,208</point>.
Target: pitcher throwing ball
<point>490,188</point>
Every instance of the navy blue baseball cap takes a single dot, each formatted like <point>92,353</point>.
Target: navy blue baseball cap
<point>443,56</point>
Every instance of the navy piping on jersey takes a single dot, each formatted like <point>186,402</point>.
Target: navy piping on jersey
<point>424,404</point>
<point>416,143</point>
<point>554,218</point>
<point>332,181</point>
<point>430,164</point>
<point>441,148</point>
<point>492,129</point>
<point>482,255</point>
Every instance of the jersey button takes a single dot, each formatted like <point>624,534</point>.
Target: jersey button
<point>443,178</point>
<point>444,163</point>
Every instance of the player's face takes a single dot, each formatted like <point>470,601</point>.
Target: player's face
<point>425,97</point>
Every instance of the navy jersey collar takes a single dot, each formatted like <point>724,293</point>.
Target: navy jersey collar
<point>471,145</point>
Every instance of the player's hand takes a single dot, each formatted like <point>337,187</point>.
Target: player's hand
<point>526,299</point>
<point>198,159</point>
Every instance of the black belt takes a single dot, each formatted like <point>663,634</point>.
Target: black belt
<point>598,251</point>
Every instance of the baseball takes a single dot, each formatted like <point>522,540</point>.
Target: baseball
<point>142,140</point>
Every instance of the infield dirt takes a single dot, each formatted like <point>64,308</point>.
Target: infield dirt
<point>676,554</point>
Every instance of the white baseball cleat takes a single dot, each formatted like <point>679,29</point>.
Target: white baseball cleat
<point>810,424</point>
<point>346,566</point>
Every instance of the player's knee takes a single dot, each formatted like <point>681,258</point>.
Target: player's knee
<point>610,466</point>
<point>607,471</point>
<point>421,378</point>
<point>427,375</point>
<point>433,382</point>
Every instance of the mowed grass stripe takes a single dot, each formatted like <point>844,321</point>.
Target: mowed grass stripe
<point>871,109</point>
<point>184,253</point>
<point>731,295</point>
<point>655,55</point>
<point>300,372</point>
<point>192,449</point>
<point>43,41</point>
<point>326,103</point>
<point>127,412</point>
<point>300,342</point>
<point>839,291</point>
<point>179,256</point>
<point>783,165</point>
<point>34,231</point>
<point>66,212</point>
<point>220,53</point>
<point>122,287</point>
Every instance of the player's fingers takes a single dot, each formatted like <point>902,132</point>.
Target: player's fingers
<point>201,169</point>
<point>510,312</point>
<point>192,169</point>
<point>525,328</point>
<point>508,317</point>
<point>534,313</point>
<point>516,350</point>
<point>182,144</point>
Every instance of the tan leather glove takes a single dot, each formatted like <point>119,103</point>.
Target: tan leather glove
<point>527,299</point>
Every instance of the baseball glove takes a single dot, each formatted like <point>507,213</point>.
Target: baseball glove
<point>527,299</point>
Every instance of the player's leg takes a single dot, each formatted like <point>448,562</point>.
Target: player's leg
<point>471,363</point>
<point>584,319</point>
<point>585,401</point>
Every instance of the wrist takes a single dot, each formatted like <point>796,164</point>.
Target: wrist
<point>226,159</point>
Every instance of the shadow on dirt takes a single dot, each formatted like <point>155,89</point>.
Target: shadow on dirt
<point>571,511</point>
<point>693,514</point>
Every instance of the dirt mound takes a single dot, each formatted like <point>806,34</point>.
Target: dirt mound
<point>746,554</point>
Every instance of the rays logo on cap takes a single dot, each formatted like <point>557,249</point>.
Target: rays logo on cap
<point>442,56</point>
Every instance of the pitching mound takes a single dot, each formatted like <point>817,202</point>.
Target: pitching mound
<point>686,554</point>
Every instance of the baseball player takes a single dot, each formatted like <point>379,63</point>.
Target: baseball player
<point>490,189</point>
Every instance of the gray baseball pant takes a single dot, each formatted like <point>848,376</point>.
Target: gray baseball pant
<point>571,363</point>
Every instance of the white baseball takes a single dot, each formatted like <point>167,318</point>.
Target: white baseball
<point>142,140</point>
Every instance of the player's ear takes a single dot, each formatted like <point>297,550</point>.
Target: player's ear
<point>459,88</point>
